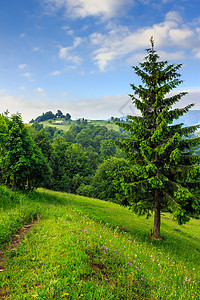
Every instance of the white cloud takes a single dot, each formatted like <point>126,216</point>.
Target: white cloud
<point>55,73</point>
<point>68,30</point>
<point>22,35</point>
<point>173,16</point>
<point>65,52</point>
<point>83,8</point>
<point>3,92</point>
<point>193,96</point>
<point>138,57</point>
<point>96,108</point>
<point>63,94</point>
<point>36,49</point>
<point>22,66</point>
<point>178,55</point>
<point>120,42</point>
<point>181,36</point>
<point>41,91</point>
<point>197,52</point>
<point>26,75</point>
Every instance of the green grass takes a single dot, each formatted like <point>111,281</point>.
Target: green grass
<point>84,248</point>
<point>66,127</point>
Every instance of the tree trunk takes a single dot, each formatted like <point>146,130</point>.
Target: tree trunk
<point>13,184</point>
<point>156,229</point>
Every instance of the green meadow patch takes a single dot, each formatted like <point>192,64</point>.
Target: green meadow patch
<point>84,248</point>
<point>65,127</point>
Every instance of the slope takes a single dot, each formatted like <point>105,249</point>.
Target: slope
<point>85,248</point>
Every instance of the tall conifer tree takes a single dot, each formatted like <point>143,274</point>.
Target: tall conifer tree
<point>166,170</point>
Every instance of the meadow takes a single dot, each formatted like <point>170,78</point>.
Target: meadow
<point>66,127</point>
<point>83,248</point>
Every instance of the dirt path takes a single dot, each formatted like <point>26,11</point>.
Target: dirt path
<point>13,245</point>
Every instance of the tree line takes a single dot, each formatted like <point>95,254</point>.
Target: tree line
<point>32,156</point>
<point>49,115</point>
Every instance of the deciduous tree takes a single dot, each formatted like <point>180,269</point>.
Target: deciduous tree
<point>21,162</point>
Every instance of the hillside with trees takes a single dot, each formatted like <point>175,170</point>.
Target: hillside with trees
<point>67,245</point>
<point>49,157</point>
<point>149,164</point>
<point>49,115</point>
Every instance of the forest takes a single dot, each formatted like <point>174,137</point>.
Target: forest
<point>45,156</point>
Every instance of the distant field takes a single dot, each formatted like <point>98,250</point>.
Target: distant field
<point>58,126</point>
<point>84,248</point>
<point>110,125</point>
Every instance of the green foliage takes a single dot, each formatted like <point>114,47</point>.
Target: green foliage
<point>73,157</point>
<point>42,140</point>
<point>49,115</point>
<point>21,162</point>
<point>108,180</point>
<point>159,150</point>
<point>71,165</point>
<point>107,149</point>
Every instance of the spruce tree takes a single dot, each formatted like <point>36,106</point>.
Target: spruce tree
<point>165,169</point>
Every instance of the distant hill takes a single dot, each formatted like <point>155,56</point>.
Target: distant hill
<point>49,116</point>
<point>191,118</point>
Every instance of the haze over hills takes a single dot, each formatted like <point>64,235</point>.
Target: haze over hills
<point>192,117</point>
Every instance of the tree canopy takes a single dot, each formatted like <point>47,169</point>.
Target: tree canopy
<point>49,115</point>
<point>21,161</point>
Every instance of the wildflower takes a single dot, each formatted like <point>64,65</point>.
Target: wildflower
<point>187,279</point>
<point>85,230</point>
<point>193,269</point>
<point>36,295</point>
<point>65,294</point>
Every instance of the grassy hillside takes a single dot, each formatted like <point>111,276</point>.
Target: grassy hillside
<point>83,248</point>
<point>65,127</point>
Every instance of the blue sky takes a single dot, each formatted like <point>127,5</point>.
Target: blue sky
<point>76,56</point>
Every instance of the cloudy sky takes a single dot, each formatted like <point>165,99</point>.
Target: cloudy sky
<point>76,56</point>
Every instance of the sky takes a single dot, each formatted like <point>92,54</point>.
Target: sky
<point>77,56</point>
